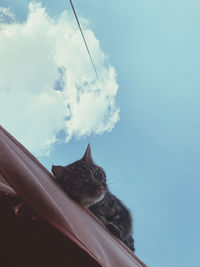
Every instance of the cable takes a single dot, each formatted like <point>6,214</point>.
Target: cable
<point>84,38</point>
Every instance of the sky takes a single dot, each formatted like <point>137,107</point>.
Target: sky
<point>141,117</point>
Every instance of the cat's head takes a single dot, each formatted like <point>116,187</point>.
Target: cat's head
<point>82,180</point>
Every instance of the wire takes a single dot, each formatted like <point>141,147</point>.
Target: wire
<point>84,38</point>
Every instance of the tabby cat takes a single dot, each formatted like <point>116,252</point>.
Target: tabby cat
<point>85,182</point>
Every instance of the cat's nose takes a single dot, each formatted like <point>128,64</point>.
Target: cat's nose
<point>100,189</point>
<point>103,186</point>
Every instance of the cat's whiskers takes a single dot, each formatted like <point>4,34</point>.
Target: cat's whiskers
<point>111,183</point>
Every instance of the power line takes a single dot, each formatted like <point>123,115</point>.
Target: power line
<point>84,38</point>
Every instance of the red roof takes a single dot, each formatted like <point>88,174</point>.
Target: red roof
<point>35,185</point>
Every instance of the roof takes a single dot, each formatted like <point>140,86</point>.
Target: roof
<point>38,190</point>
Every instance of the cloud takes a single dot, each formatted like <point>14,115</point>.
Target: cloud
<point>6,15</point>
<point>47,84</point>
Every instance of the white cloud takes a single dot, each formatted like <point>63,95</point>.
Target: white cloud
<point>47,83</point>
<point>6,15</point>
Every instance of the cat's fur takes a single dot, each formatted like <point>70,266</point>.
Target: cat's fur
<point>85,182</point>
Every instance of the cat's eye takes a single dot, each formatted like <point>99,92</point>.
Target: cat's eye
<point>95,174</point>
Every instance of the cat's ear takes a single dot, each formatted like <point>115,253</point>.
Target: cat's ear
<point>57,170</point>
<point>88,156</point>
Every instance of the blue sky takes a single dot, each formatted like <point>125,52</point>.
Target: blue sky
<point>151,156</point>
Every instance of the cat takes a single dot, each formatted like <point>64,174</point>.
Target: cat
<point>85,182</point>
